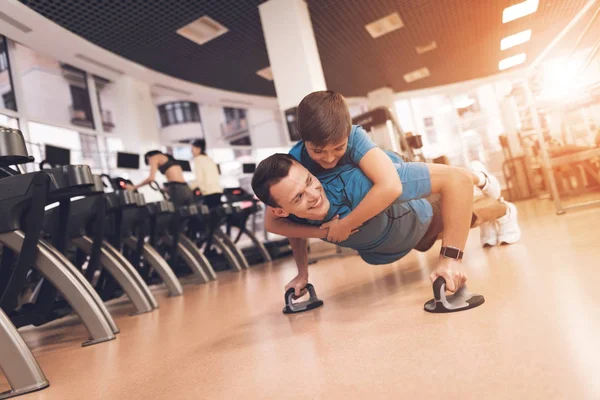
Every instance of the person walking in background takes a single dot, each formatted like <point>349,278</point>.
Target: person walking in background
<point>206,173</point>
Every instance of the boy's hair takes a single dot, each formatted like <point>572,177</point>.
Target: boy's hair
<point>269,172</point>
<point>201,144</point>
<point>151,153</point>
<point>323,118</point>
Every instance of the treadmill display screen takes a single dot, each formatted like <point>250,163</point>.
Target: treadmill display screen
<point>128,160</point>
<point>58,155</point>
<point>249,168</point>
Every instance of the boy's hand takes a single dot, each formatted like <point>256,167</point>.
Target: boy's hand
<point>299,284</point>
<point>338,230</point>
<point>452,271</point>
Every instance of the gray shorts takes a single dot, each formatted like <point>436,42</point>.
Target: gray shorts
<point>436,225</point>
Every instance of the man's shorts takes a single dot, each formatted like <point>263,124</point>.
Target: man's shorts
<point>436,225</point>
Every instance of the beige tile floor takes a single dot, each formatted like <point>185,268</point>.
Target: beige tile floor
<point>537,335</point>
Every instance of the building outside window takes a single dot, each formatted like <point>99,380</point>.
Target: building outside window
<point>7,95</point>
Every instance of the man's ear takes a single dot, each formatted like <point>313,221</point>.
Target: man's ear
<point>279,212</point>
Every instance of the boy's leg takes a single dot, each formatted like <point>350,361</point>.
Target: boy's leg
<point>497,220</point>
<point>501,215</point>
<point>487,209</point>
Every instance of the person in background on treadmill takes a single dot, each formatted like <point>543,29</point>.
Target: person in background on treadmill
<point>177,187</point>
<point>206,173</point>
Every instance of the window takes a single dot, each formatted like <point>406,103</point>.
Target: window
<point>106,95</point>
<point>7,98</point>
<point>180,112</point>
<point>235,129</point>
<point>81,106</point>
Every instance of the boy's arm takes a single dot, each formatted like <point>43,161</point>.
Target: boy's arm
<point>387,187</point>
<point>289,229</point>
<point>455,185</point>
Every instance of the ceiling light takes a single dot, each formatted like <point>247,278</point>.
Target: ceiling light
<point>202,30</point>
<point>265,73</point>
<point>425,48</point>
<point>519,10</point>
<point>417,74</point>
<point>512,61</point>
<point>384,25</point>
<point>515,40</point>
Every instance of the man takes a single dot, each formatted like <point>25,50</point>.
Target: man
<point>410,222</point>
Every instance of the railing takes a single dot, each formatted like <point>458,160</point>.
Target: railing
<point>80,118</point>
<point>107,120</point>
<point>547,162</point>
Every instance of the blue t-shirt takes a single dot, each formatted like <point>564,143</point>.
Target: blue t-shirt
<point>390,235</point>
<point>359,143</point>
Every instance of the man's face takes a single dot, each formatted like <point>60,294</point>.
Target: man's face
<point>301,194</point>
<point>327,156</point>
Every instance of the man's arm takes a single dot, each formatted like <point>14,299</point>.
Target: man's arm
<point>300,250</point>
<point>455,185</point>
<point>387,187</point>
<point>284,227</point>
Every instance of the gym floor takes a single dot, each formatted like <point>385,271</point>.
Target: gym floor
<point>535,337</point>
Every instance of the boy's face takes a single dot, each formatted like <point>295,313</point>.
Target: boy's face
<point>327,156</point>
<point>301,194</point>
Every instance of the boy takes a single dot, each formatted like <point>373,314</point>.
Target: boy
<point>411,222</point>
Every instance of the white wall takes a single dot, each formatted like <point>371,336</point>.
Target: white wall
<point>266,128</point>
<point>136,116</point>
<point>212,117</point>
<point>46,92</point>
<point>178,132</point>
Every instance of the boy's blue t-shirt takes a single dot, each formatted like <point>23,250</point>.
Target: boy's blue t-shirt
<point>390,235</point>
<point>359,143</point>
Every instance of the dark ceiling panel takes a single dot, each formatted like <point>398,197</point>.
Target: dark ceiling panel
<point>145,32</point>
<point>467,33</point>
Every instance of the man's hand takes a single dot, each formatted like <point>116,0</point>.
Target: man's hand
<point>338,231</point>
<point>452,271</point>
<point>299,284</point>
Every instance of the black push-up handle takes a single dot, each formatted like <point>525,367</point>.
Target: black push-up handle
<point>459,301</point>
<point>310,304</point>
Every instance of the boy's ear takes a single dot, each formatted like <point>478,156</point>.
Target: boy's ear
<point>279,212</point>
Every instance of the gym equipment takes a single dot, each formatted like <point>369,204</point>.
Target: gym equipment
<point>23,198</point>
<point>381,125</point>
<point>459,301</point>
<point>155,220</point>
<point>239,219</point>
<point>302,306</point>
<point>85,230</point>
<point>21,369</point>
<point>168,235</point>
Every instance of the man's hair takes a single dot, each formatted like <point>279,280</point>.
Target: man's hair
<point>151,153</point>
<point>269,172</point>
<point>323,118</point>
<point>201,144</point>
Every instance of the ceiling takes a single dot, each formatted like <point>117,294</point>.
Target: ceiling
<point>467,33</point>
